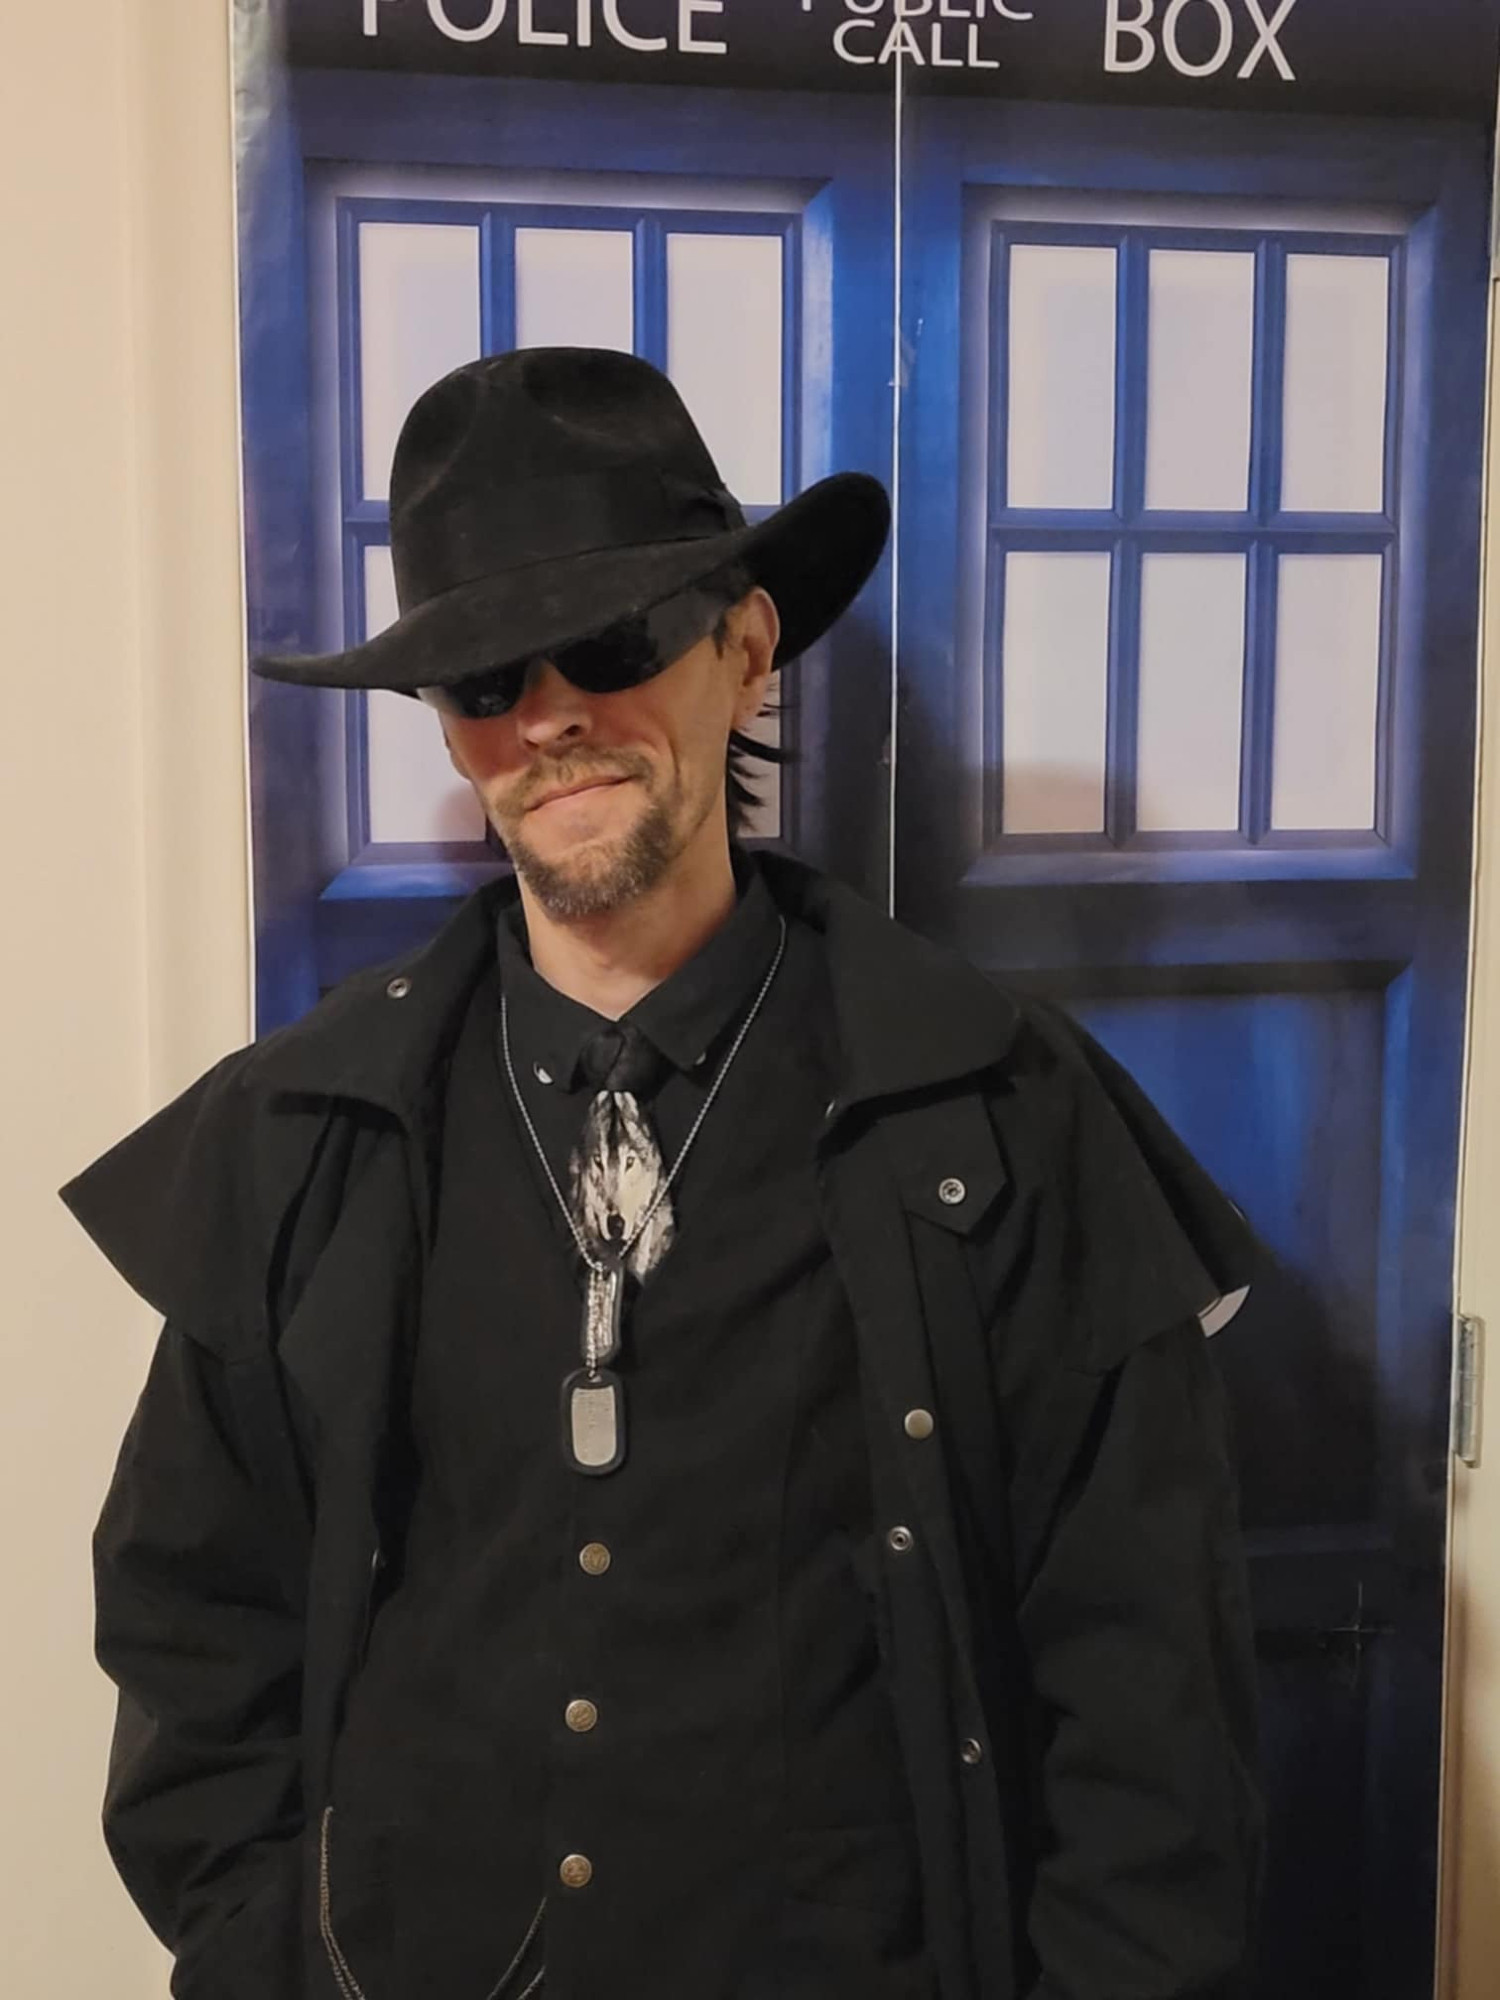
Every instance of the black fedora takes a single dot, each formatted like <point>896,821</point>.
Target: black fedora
<point>538,497</point>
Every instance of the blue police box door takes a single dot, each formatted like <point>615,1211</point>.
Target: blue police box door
<point>1184,637</point>
<point>1186,676</point>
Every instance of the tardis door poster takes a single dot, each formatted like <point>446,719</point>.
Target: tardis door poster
<point>1164,321</point>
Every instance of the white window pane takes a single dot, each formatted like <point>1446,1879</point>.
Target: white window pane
<point>414,792</point>
<point>575,288</point>
<point>1054,679</point>
<point>1202,351</point>
<point>418,318</point>
<point>1333,446</point>
<point>1192,678</point>
<point>381,608</point>
<point>1327,692</point>
<point>1061,400</point>
<point>724,353</point>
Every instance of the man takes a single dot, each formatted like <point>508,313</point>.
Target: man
<point>682,1460</point>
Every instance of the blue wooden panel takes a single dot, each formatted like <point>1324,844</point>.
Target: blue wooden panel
<point>296,770</point>
<point>1279,1093</point>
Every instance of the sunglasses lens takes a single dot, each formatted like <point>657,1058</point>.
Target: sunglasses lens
<point>638,648</point>
<point>480,696</point>
<point>623,655</point>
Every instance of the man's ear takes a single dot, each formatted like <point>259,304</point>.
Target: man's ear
<point>758,632</point>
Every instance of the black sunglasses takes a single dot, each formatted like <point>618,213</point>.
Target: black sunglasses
<point>624,654</point>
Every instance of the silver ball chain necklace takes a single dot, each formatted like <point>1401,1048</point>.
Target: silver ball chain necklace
<point>593,1396</point>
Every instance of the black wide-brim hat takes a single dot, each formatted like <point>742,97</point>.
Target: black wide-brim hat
<point>537,497</point>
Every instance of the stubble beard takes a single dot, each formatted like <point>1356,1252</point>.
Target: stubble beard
<point>600,875</point>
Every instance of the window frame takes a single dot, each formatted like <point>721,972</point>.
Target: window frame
<point>1127,531</point>
<point>441,868</point>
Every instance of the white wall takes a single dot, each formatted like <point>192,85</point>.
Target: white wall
<point>1471,1851</point>
<point>122,830</point>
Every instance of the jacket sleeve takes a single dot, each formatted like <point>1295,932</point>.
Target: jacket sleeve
<point>1130,1589</point>
<point>199,1624</point>
<point>1136,1626</point>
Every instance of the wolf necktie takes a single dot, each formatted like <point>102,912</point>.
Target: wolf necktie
<point>617,1168</point>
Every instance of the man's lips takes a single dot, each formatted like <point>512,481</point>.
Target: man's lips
<point>576,791</point>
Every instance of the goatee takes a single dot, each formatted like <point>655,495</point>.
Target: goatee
<point>601,876</point>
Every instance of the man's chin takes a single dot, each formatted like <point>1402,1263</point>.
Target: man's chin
<point>594,873</point>
<point>539,847</point>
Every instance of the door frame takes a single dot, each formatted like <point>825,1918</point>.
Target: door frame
<point>1469,1848</point>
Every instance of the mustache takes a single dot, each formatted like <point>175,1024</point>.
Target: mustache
<point>563,776</point>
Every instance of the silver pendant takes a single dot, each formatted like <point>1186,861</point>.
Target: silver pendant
<point>593,1420</point>
<point>603,1307</point>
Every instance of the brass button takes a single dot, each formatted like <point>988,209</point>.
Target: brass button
<point>594,1558</point>
<point>918,1424</point>
<point>899,1540</point>
<point>971,1750</point>
<point>581,1715</point>
<point>576,1871</point>
<point>951,1191</point>
<point>399,988</point>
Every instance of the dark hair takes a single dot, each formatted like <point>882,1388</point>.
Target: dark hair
<point>733,584</point>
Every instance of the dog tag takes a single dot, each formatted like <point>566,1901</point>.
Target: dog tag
<point>593,1404</point>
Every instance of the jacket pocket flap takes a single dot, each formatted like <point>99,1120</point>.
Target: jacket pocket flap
<point>946,1161</point>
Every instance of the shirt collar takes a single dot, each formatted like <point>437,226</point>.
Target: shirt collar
<point>684,1017</point>
<point>911,1014</point>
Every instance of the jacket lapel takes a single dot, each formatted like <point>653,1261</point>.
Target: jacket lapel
<point>911,1014</point>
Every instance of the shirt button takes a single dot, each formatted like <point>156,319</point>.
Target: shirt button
<point>576,1871</point>
<point>398,989</point>
<point>918,1424</point>
<point>971,1750</point>
<point>581,1716</point>
<point>951,1191</point>
<point>899,1540</point>
<point>594,1558</point>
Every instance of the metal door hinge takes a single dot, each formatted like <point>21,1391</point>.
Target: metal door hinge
<point>1468,1384</point>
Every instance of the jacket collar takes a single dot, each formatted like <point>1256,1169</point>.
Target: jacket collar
<point>911,1015</point>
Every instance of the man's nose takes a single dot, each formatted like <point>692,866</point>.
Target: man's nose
<point>550,706</point>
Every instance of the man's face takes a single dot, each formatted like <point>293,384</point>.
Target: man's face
<point>598,796</point>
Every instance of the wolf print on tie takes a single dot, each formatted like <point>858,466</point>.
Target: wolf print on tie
<point>617,1168</point>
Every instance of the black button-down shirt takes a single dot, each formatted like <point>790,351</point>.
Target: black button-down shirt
<point>666,1679</point>
<point>690,1019</point>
